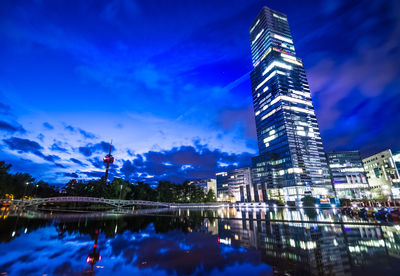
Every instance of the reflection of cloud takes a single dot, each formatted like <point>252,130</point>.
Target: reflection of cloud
<point>176,252</point>
<point>131,253</point>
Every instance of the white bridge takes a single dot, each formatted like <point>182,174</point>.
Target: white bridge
<point>112,202</point>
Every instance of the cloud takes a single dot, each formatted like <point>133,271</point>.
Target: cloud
<point>23,145</point>
<point>89,149</point>
<point>356,93</point>
<point>29,146</point>
<point>67,174</point>
<point>182,163</point>
<point>76,161</point>
<point>84,133</point>
<point>48,126</point>
<point>11,128</point>
<point>57,146</point>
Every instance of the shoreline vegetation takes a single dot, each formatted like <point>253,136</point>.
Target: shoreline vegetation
<point>23,185</point>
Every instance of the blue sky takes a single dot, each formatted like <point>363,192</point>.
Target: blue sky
<point>168,82</point>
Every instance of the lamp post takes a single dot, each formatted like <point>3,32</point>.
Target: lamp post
<point>26,186</point>
<point>120,193</point>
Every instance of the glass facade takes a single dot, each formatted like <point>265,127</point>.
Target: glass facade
<point>292,161</point>
<point>235,185</point>
<point>348,174</point>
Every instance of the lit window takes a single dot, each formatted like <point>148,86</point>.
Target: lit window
<point>257,36</point>
<point>305,94</point>
<point>282,38</point>
<point>280,17</point>
<point>278,64</point>
<point>266,79</point>
<point>255,25</point>
<point>303,110</point>
<point>269,114</point>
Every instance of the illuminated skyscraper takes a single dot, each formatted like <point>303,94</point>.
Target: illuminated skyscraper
<point>292,160</point>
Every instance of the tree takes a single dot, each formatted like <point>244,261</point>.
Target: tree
<point>210,197</point>
<point>119,188</point>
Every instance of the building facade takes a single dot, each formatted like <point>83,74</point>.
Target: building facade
<point>348,174</point>
<point>206,185</point>
<point>292,161</point>
<point>235,186</point>
<point>383,174</point>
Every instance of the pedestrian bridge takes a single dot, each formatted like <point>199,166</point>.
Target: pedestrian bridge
<point>83,199</point>
<point>112,202</point>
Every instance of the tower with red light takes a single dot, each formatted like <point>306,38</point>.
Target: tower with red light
<point>108,159</point>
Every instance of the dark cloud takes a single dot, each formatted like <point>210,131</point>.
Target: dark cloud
<point>48,125</point>
<point>89,149</point>
<point>76,161</point>
<point>57,146</point>
<point>84,133</point>
<point>73,175</point>
<point>97,162</point>
<point>23,145</point>
<point>40,137</point>
<point>11,128</point>
<point>51,158</point>
<point>29,146</point>
<point>182,163</point>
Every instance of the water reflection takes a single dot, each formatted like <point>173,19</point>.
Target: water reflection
<point>192,242</point>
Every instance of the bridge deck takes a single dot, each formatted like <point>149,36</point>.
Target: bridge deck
<point>113,202</point>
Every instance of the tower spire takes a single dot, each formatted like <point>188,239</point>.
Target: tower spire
<point>108,159</point>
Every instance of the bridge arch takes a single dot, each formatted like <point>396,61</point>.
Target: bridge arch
<point>112,202</point>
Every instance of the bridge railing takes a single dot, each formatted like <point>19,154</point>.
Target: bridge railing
<point>113,202</point>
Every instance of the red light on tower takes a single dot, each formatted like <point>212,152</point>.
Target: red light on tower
<point>108,159</point>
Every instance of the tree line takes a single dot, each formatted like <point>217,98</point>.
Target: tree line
<point>24,185</point>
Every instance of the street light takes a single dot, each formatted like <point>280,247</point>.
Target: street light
<point>26,186</point>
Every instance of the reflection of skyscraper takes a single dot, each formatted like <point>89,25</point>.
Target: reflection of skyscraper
<point>305,248</point>
<point>291,152</point>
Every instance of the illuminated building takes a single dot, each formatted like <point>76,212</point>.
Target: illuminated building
<point>348,174</point>
<point>383,174</point>
<point>206,185</point>
<point>235,185</point>
<point>292,161</point>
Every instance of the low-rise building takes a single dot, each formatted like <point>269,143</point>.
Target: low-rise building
<point>235,185</point>
<point>348,174</point>
<point>206,185</point>
<point>383,174</point>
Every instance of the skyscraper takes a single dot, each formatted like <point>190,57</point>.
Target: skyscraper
<point>292,160</point>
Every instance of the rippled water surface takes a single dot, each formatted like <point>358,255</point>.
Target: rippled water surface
<point>193,242</point>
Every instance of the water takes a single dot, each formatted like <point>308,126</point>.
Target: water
<point>192,242</point>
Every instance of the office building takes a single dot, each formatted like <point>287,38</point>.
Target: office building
<point>348,174</point>
<point>292,161</point>
<point>235,185</point>
<point>382,173</point>
<point>206,185</point>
